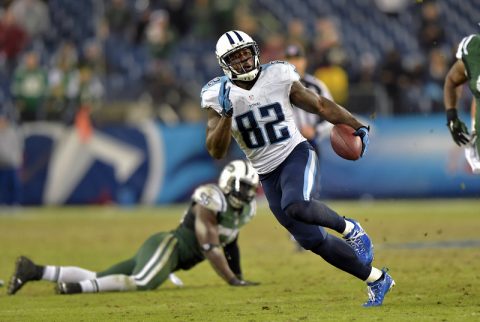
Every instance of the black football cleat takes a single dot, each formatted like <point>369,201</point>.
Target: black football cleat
<point>25,270</point>
<point>68,288</point>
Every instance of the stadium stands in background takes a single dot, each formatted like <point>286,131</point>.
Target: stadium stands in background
<point>366,37</point>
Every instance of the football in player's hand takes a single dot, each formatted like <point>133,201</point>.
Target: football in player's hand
<point>344,143</point>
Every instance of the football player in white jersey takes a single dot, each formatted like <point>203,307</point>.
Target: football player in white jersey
<point>209,230</point>
<point>253,103</point>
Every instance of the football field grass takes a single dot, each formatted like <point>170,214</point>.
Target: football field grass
<point>431,247</point>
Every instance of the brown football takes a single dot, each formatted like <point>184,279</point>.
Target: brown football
<point>344,143</point>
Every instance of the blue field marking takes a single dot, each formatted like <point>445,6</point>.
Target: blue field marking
<point>428,245</point>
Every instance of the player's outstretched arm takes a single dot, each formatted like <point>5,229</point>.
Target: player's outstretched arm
<point>218,134</point>
<point>455,77</point>
<point>314,103</point>
<point>473,113</point>
<point>232,254</point>
<point>206,230</point>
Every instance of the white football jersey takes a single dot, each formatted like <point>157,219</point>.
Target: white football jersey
<point>262,123</point>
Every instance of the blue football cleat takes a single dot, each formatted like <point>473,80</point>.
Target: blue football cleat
<point>360,242</point>
<point>378,289</point>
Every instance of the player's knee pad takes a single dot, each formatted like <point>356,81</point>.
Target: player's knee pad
<point>299,211</point>
<point>311,242</point>
<point>305,232</point>
<point>314,212</point>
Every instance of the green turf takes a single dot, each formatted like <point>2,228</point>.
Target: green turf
<point>433,283</point>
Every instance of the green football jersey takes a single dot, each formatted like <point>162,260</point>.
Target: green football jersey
<point>469,52</point>
<point>230,220</point>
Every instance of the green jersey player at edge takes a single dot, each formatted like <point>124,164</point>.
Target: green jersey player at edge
<point>466,69</point>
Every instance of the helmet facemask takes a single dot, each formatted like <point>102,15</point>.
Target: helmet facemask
<point>242,192</point>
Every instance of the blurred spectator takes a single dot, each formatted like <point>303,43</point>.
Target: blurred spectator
<point>326,38</point>
<point>259,24</point>
<point>84,94</point>
<point>13,39</point>
<point>90,88</point>
<point>392,8</point>
<point>431,33</point>
<point>272,48</point>
<point>223,13</point>
<point>11,147</point>
<point>366,95</point>
<point>160,37</point>
<point>328,59</point>
<point>247,22</point>
<point>29,88</point>
<point>202,18</point>
<point>434,80</point>
<point>167,96</point>
<point>334,75</point>
<point>212,17</point>
<point>411,86</point>
<point>296,33</point>
<point>85,88</point>
<point>142,20</point>
<point>64,64</point>
<point>391,74</point>
<point>179,15</point>
<point>119,19</point>
<point>366,70</point>
<point>33,15</point>
<point>92,56</point>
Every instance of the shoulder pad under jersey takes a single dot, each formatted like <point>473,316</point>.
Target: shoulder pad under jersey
<point>281,71</point>
<point>469,45</point>
<point>211,197</point>
<point>209,94</point>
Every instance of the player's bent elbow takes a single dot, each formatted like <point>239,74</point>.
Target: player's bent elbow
<point>215,149</point>
<point>217,156</point>
<point>320,106</point>
<point>216,153</point>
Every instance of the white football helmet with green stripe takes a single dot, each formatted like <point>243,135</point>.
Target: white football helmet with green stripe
<point>239,182</point>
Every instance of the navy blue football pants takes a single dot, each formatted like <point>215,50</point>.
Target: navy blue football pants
<point>289,190</point>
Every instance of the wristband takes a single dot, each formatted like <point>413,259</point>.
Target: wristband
<point>365,127</point>
<point>451,114</point>
<point>208,247</point>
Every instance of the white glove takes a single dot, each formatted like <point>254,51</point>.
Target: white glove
<point>175,280</point>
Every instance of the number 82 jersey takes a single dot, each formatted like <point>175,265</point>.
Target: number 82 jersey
<point>262,123</point>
